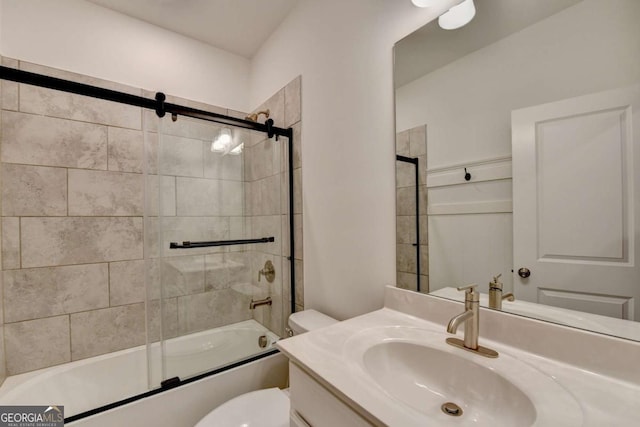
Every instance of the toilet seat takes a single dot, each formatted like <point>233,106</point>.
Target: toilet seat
<point>262,408</point>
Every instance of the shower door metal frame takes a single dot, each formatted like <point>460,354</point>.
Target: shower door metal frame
<point>161,108</point>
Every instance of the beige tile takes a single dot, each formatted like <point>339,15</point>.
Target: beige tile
<point>46,141</point>
<point>211,309</point>
<point>64,105</point>
<point>186,127</point>
<point>163,317</point>
<point>297,192</point>
<point>298,237</point>
<point>424,284</point>
<point>33,191</point>
<point>297,145</point>
<point>9,89</point>
<point>406,280</point>
<point>268,226</point>
<point>223,271</point>
<point>193,104</point>
<point>77,240</point>
<point>80,78</point>
<point>151,151</point>
<point>98,193</point>
<point>405,174</point>
<point>180,156</point>
<point>406,229</point>
<point>126,282</point>
<point>424,230</point>
<point>299,285</point>
<point>402,143</point>
<point>43,292</point>
<point>418,141</point>
<point>237,114</point>
<point>263,159</point>
<point>36,344</point>
<point>292,102</point>
<point>168,196</point>
<point>226,167</point>
<point>10,243</point>
<point>238,229</point>
<point>104,331</point>
<point>424,259</point>
<point>422,169</point>
<point>406,201</point>
<point>182,275</point>
<point>406,258</point>
<point>126,150</point>
<point>204,197</point>
<point>266,196</point>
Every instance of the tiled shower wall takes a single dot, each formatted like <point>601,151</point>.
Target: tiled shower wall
<point>411,143</point>
<point>72,229</point>
<point>263,176</point>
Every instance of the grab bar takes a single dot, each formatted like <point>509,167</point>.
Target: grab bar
<point>191,245</point>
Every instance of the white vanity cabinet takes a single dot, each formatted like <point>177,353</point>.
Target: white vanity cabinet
<point>313,405</point>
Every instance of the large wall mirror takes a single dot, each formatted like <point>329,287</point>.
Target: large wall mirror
<point>518,157</point>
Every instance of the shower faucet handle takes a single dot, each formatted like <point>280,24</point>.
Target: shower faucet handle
<point>269,272</point>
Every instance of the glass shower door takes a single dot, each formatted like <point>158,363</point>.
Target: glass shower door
<point>217,193</point>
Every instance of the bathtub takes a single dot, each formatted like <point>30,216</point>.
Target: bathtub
<point>90,383</point>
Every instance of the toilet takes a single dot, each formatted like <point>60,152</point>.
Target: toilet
<point>268,407</point>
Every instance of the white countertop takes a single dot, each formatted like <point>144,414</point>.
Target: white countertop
<point>604,401</point>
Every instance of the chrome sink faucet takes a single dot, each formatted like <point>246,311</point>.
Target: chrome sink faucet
<point>495,294</point>
<point>471,319</point>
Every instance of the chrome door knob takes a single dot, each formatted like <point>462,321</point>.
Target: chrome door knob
<point>524,272</point>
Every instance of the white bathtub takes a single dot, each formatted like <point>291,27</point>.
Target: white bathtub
<point>90,383</point>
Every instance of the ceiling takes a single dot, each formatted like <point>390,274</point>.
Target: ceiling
<point>237,26</point>
<point>431,47</point>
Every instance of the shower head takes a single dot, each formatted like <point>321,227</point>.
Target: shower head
<point>254,117</point>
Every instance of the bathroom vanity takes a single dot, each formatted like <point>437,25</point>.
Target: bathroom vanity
<point>393,367</point>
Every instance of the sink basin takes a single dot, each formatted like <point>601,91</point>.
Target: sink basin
<point>425,378</point>
<point>418,370</point>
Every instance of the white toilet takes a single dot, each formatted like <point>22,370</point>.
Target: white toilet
<point>269,407</point>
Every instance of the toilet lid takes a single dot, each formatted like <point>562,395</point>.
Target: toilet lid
<point>262,408</point>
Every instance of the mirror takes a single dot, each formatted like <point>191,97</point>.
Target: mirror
<point>525,129</point>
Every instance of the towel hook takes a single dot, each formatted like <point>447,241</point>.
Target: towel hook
<point>467,175</point>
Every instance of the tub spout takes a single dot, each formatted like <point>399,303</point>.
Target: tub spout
<point>257,303</point>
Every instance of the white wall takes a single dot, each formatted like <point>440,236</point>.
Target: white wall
<point>343,49</point>
<point>79,36</point>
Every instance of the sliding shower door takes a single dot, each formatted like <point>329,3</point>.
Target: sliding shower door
<point>217,219</point>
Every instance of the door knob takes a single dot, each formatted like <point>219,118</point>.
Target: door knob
<point>524,272</point>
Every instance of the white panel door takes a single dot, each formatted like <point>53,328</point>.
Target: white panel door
<point>575,211</point>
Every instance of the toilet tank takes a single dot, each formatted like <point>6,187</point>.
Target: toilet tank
<point>308,320</point>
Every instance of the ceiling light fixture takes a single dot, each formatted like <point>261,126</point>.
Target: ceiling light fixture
<point>458,16</point>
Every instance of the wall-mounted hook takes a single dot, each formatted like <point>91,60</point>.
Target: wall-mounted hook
<point>467,175</point>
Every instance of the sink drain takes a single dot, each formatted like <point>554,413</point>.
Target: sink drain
<point>451,409</point>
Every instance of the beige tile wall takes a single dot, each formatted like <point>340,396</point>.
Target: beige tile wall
<point>267,201</point>
<point>76,229</point>
<point>411,143</point>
